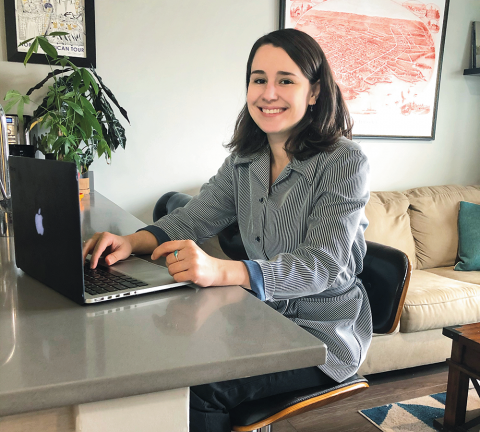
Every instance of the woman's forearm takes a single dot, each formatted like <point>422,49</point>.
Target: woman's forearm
<point>143,242</point>
<point>232,273</point>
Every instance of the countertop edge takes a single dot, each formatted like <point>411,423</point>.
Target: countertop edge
<point>87,391</point>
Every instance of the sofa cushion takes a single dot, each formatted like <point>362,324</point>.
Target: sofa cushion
<point>468,237</point>
<point>389,222</point>
<point>449,272</point>
<point>435,301</point>
<point>433,217</point>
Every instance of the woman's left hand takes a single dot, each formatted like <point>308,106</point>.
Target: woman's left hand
<point>190,263</point>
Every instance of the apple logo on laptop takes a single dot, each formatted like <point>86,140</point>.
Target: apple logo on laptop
<point>39,222</point>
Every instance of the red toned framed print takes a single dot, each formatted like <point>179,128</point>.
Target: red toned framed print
<point>25,19</point>
<point>386,57</point>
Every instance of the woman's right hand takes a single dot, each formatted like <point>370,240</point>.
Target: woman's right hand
<point>111,246</point>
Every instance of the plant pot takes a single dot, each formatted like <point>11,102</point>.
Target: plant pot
<point>85,183</point>
<point>50,156</point>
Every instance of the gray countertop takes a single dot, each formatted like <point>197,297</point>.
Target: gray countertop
<point>54,352</point>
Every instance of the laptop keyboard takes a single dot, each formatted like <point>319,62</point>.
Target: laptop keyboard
<point>103,280</point>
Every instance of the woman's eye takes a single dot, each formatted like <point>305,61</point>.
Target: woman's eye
<point>259,81</point>
<point>286,81</point>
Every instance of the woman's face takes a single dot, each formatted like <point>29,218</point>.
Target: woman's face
<point>278,93</point>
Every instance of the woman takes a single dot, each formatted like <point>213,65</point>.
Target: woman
<point>297,188</point>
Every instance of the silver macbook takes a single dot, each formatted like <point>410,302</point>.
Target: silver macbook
<point>48,239</point>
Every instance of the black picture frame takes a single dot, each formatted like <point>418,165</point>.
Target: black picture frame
<point>428,134</point>
<point>14,55</point>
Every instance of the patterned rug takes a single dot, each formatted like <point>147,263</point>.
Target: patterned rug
<point>417,415</point>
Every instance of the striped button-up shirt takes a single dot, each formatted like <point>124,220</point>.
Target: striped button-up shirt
<point>306,234</point>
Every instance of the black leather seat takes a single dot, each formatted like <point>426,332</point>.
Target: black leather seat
<point>385,276</point>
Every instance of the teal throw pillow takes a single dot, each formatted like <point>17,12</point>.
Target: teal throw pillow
<point>468,237</point>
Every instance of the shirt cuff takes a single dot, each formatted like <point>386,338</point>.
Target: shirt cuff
<point>159,234</point>
<point>256,278</point>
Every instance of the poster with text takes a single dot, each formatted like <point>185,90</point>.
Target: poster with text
<point>37,17</point>
<point>385,56</point>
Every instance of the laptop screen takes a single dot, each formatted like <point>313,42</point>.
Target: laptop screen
<point>46,223</point>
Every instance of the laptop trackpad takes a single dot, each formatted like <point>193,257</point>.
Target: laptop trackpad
<point>138,268</point>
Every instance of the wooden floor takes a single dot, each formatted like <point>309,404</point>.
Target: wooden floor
<point>384,388</point>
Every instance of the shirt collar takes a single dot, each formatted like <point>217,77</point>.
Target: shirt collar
<point>250,158</point>
<point>307,167</point>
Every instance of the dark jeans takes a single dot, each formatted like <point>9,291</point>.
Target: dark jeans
<point>210,403</point>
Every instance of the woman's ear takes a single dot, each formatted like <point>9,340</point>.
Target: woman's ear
<point>315,93</point>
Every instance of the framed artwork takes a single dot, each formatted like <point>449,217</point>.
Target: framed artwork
<point>25,19</point>
<point>475,58</point>
<point>386,57</point>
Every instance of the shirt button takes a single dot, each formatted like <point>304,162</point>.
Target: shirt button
<point>257,239</point>
<point>261,200</point>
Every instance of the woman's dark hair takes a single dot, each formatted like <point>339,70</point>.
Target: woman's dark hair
<point>319,129</point>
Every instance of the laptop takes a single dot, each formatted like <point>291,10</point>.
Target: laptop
<point>48,238</point>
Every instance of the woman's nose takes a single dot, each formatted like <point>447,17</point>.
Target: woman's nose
<point>270,92</point>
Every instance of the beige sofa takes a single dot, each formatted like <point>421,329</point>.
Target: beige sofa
<point>422,222</point>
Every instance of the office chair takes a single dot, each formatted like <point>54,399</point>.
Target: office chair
<point>385,276</point>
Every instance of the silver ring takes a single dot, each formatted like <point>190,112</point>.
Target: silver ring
<point>175,254</point>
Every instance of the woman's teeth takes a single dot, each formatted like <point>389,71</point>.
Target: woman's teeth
<point>272,111</point>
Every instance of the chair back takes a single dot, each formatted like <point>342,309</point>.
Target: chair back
<point>385,276</point>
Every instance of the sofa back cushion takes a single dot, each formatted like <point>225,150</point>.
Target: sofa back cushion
<point>389,222</point>
<point>433,217</point>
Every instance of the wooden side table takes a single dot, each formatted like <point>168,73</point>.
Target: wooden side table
<point>464,365</point>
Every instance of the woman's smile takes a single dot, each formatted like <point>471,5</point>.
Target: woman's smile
<point>271,111</point>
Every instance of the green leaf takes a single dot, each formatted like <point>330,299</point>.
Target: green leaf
<point>71,64</point>
<point>70,144</point>
<point>12,103</point>
<point>63,129</point>
<point>47,47</point>
<point>33,48</point>
<point>12,93</point>
<point>87,78</point>
<point>50,99</point>
<point>93,122</point>
<point>86,128</point>
<point>63,61</point>
<point>100,151</point>
<point>87,105</point>
<point>57,34</point>
<point>75,107</point>
<point>76,79</point>
<point>68,95</point>
<point>91,80</point>
<point>82,132</point>
<point>110,94</point>
<point>58,143</point>
<point>115,135</point>
<point>25,41</point>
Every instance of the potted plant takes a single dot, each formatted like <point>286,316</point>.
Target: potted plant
<point>75,112</point>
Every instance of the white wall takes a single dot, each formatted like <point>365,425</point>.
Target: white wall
<point>178,68</point>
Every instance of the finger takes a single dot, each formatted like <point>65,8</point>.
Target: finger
<point>167,248</point>
<point>111,259</point>
<point>177,267</point>
<point>88,245</point>
<point>171,258</point>
<point>103,242</point>
<point>182,277</point>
